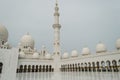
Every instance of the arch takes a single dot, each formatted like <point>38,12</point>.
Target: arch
<point>79,67</point>
<point>76,67</point>
<point>85,66</point>
<point>108,64</point>
<point>98,66</point>
<point>50,68</point>
<point>21,68</point>
<point>1,66</point>
<point>25,68</point>
<point>46,68</point>
<point>36,68</point>
<point>43,68</point>
<point>103,66</point>
<point>68,67</point>
<point>40,67</point>
<point>93,66</point>
<point>82,66</point>
<point>102,63</point>
<point>29,68</point>
<point>115,68</point>
<point>114,62</point>
<point>33,68</point>
<point>89,66</point>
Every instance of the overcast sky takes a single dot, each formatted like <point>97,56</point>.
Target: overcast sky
<point>84,22</point>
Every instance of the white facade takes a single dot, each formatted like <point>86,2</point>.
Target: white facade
<point>26,58</point>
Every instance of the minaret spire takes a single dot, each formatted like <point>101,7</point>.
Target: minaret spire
<point>56,1</point>
<point>56,27</point>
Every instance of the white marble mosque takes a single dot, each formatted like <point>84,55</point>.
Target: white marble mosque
<point>25,60</point>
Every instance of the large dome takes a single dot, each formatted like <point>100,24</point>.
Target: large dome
<point>65,55</point>
<point>101,48</point>
<point>85,51</point>
<point>118,43</point>
<point>74,53</point>
<point>3,34</point>
<point>27,41</point>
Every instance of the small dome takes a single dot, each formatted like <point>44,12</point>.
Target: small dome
<point>65,55</point>
<point>85,51</point>
<point>48,56</point>
<point>28,41</point>
<point>101,48</point>
<point>36,55</point>
<point>118,44</point>
<point>21,54</point>
<point>74,53</point>
<point>3,34</point>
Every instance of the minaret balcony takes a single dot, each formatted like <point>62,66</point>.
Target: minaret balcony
<point>56,26</point>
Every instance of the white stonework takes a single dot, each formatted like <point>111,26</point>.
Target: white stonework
<point>26,58</point>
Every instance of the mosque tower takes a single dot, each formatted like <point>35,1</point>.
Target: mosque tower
<point>56,27</point>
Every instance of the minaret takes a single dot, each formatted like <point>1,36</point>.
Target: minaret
<point>56,27</point>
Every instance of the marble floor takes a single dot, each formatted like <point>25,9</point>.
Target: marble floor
<point>69,76</point>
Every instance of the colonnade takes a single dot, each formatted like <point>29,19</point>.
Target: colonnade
<point>35,68</point>
<point>103,66</point>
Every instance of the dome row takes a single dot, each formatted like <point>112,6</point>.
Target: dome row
<point>74,53</point>
<point>28,41</point>
<point>100,48</point>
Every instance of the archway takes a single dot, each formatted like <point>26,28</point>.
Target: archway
<point>73,67</point>
<point>50,68</point>
<point>46,68</point>
<point>29,68</point>
<point>79,67</point>
<point>115,68</point>
<point>98,66</point>
<point>33,68</point>
<point>93,66</point>
<point>89,66</point>
<point>82,66</point>
<point>68,68</point>
<point>25,68</point>
<point>103,66</point>
<point>43,68</point>
<point>108,64</point>
<point>85,66</point>
<point>40,68</point>
<point>76,67</point>
<point>21,68</point>
<point>36,69</point>
<point>1,65</point>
